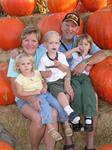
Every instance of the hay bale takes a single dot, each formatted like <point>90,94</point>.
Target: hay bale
<point>18,126</point>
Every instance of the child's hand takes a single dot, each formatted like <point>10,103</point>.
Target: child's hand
<point>56,63</point>
<point>44,90</point>
<point>37,92</point>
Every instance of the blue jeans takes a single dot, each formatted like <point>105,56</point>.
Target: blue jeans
<point>47,101</point>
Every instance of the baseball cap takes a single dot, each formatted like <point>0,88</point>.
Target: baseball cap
<point>74,17</point>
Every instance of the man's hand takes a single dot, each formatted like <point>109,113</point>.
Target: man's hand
<point>79,68</point>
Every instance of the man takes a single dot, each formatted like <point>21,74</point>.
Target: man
<point>70,27</point>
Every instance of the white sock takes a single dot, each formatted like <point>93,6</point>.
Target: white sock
<point>88,120</point>
<point>68,109</point>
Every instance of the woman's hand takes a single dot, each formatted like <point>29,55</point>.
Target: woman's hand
<point>35,102</point>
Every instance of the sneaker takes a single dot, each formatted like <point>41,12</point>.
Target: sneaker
<point>77,127</point>
<point>73,117</point>
<point>88,127</point>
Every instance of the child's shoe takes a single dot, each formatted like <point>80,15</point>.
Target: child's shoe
<point>77,127</point>
<point>88,125</point>
<point>73,117</point>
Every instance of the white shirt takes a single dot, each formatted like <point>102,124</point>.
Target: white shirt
<point>46,63</point>
<point>77,59</point>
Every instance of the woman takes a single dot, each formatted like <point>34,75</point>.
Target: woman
<point>30,38</point>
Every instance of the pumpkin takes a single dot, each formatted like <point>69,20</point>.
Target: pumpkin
<point>99,26</point>
<point>53,22</point>
<point>81,8</point>
<point>109,2</point>
<point>62,5</point>
<point>105,147</point>
<point>6,93</point>
<point>10,31</point>
<point>101,76</point>
<point>5,146</point>
<point>18,7</point>
<point>93,5</point>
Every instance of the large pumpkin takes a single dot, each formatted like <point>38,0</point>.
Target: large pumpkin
<point>18,7</point>
<point>6,93</point>
<point>53,22</point>
<point>99,26</point>
<point>93,5</point>
<point>5,146</point>
<point>109,2</point>
<point>101,76</point>
<point>62,5</point>
<point>81,8</point>
<point>105,147</point>
<point>10,30</point>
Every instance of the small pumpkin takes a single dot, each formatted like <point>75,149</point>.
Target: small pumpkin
<point>93,5</point>
<point>105,147</point>
<point>53,22</point>
<point>99,26</point>
<point>101,76</point>
<point>18,7</point>
<point>5,146</point>
<point>6,94</point>
<point>10,31</point>
<point>62,5</point>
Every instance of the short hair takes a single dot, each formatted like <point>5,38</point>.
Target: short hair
<point>31,29</point>
<point>85,36</point>
<point>22,55</point>
<point>51,33</point>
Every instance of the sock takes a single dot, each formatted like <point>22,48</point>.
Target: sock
<point>88,120</point>
<point>68,109</point>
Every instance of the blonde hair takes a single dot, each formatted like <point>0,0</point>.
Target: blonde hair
<point>51,33</point>
<point>18,60</point>
<point>85,36</point>
<point>31,29</point>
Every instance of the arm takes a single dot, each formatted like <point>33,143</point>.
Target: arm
<point>67,85</point>
<point>69,53</point>
<point>96,58</point>
<point>61,66</point>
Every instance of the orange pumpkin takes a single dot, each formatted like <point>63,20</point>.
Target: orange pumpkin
<point>81,8</point>
<point>10,31</point>
<point>101,76</point>
<point>105,147</point>
<point>5,146</point>
<point>109,2</point>
<point>18,7</point>
<point>93,5</point>
<point>6,93</point>
<point>62,5</point>
<point>99,26</point>
<point>53,22</point>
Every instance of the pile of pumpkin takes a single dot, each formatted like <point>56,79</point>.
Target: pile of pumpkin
<point>98,25</point>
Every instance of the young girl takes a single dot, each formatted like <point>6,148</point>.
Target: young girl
<point>54,64</point>
<point>85,100</point>
<point>30,83</point>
